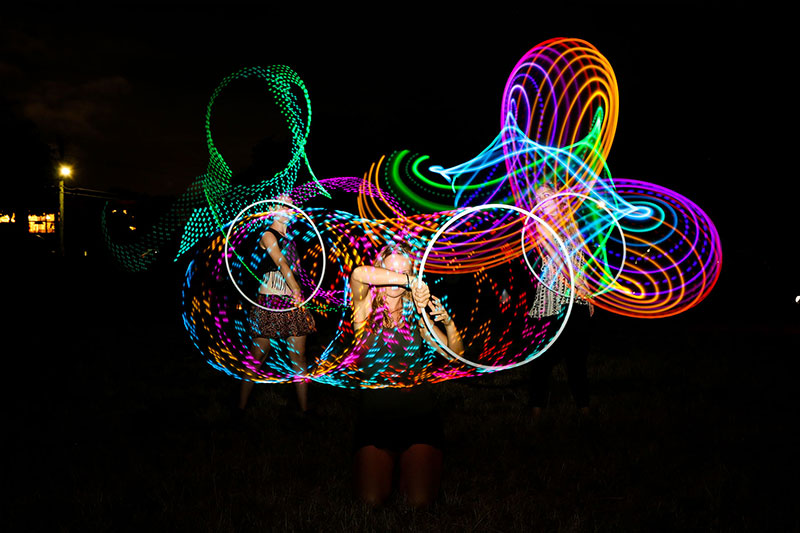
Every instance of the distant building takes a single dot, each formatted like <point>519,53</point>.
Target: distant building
<point>37,223</point>
<point>34,229</point>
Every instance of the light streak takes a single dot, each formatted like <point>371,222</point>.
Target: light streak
<point>474,227</point>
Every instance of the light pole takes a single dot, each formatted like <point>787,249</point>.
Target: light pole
<point>64,172</point>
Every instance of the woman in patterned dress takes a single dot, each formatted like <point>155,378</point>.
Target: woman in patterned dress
<point>279,283</point>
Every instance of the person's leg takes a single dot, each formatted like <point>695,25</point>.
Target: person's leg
<point>421,474</point>
<point>261,348</point>
<point>297,352</point>
<point>373,473</point>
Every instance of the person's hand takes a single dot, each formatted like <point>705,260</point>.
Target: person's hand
<point>584,294</point>
<point>438,312</point>
<point>420,294</point>
<point>297,298</point>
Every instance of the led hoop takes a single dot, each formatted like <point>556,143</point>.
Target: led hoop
<point>561,246</point>
<point>602,205</point>
<point>228,266</point>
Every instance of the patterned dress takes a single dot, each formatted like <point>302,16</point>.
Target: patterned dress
<point>273,293</point>
<point>552,293</point>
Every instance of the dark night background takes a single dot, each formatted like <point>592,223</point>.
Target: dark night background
<point>121,93</point>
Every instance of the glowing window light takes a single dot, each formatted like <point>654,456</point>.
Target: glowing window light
<point>41,223</point>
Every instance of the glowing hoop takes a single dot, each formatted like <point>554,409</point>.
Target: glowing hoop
<point>561,246</point>
<point>228,266</point>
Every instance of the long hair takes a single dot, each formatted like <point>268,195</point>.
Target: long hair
<point>379,307</point>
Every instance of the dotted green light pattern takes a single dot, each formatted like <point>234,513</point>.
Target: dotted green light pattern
<point>211,201</point>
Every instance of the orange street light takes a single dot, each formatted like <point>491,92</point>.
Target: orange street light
<point>64,172</point>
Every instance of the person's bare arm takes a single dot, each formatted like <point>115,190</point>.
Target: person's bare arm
<point>450,337</point>
<point>375,276</point>
<point>364,277</point>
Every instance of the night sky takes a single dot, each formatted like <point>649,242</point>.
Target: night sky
<point>124,92</point>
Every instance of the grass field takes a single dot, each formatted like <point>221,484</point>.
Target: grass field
<point>117,424</point>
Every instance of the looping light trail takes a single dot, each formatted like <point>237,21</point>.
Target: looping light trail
<point>480,231</point>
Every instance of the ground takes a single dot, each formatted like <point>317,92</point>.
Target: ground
<point>115,422</point>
